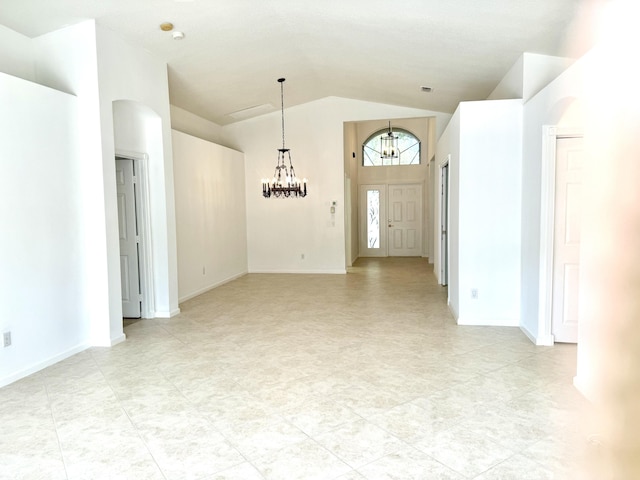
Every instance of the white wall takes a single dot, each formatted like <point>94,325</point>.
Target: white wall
<point>100,68</point>
<point>192,124</point>
<point>530,74</point>
<point>489,223</point>
<point>16,54</point>
<point>484,211</point>
<point>130,73</point>
<point>42,279</point>
<point>210,214</point>
<point>66,60</point>
<point>280,231</point>
<point>512,84</point>
<point>554,105</point>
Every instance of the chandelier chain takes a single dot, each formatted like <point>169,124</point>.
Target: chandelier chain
<point>282,109</point>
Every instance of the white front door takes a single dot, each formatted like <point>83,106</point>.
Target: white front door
<point>128,229</point>
<point>566,244</point>
<point>405,220</point>
<point>373,220</point>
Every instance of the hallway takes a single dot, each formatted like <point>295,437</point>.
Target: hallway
<point>350,377</point>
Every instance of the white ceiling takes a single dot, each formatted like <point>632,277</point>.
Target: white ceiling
<point>374,50</point>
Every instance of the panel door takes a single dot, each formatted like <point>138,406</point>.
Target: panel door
<point>127,225</point>
<point>566,248</point>
<point>405,220</point>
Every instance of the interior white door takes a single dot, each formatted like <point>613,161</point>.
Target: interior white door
<point>129,239</point>
<point>372,220</point>
<point>566,244</point>
<point>405,220</point>
<point>444,225</point>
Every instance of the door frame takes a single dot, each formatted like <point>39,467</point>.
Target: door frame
<point>550,136</point>
<point>441,256</point>
<point>143,215</point>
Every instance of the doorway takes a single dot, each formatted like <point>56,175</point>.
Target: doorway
<point>566,244</point>
<point>129,237</point>
<point>560,235</point>
<point>444,224</point>
<point>134,227</point>
<point>390,220</point>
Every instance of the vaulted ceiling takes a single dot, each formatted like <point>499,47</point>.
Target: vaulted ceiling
<point>233,51</point>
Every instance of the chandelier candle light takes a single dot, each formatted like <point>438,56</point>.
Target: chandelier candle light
<point>284,183</point>
<point>389,145</point>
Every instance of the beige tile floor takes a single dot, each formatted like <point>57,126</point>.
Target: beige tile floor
<point>350,377</point>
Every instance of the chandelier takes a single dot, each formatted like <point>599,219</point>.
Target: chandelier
<point>285,183</point>
<point>389,145</point>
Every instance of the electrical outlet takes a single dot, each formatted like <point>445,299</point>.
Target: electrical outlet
<point>6,339</point>
<point>302,256</point>
<point>474,293</point>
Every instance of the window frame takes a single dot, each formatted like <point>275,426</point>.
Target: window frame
<point>381,132</point>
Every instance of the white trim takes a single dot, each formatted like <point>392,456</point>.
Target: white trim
<point>583,388</point>
<point>210,287</point>
<point>118,339</point>
<point>550,134</point>
<point>489,322</point>
<point>453,312</point>
<point>342,271</point>
<point>42,365</point>
<point>437,249</point>
<point>165,314</point>
<point>143,212</point>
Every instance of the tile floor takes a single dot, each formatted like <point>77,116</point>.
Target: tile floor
<point>349,377</point>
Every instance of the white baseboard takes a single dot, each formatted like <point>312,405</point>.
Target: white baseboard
<point>341,271</point>
<point>191,295</point>
<point>453,312</point>
<point>488,322</point>
<point>36,367</point>
<point>118,339</point>
<point>165,314</point>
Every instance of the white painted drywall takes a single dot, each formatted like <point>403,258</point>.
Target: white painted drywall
<point>512,84</point>
<point>192,124</point>
<point>280,231</point>
<point>210,214</point>
<point>484,211</point>
<point>539,71</point>
<point>42,278</point>
<point>554,105</point>
<point>130,73</point>
<point>489,223</point>
<point>16,54</point>
<point>530,74</point>
<point>66,60</point>
<point>100,68</point>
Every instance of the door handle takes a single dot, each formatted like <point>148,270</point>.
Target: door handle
<point>390,225</point>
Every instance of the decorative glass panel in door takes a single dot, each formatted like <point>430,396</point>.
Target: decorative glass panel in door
<point>373,221</point>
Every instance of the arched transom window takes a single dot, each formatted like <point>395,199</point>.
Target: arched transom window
<point>408,149</point>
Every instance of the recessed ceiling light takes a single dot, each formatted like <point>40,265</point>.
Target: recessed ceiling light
<point>166,26</point>
<point>426,89</point>
<point>178,35</point>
